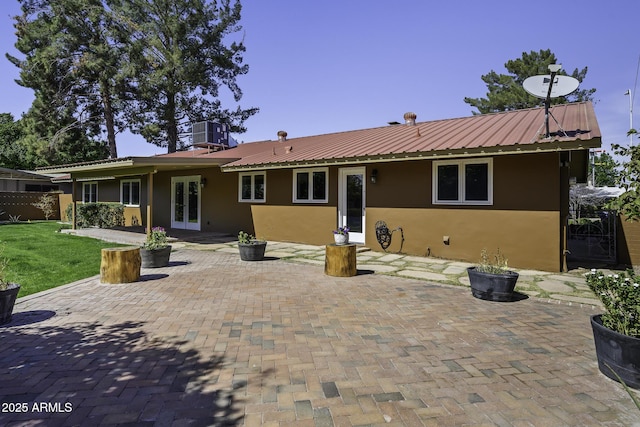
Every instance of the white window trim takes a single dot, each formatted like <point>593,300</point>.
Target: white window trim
<point>83,192</point>
<point>252,175</point>
<point>129,181</point>
<point>309,172</point>
<point>461,182</point>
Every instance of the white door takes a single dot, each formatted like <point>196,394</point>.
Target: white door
<point>351,202</point>
<point>185,202</point>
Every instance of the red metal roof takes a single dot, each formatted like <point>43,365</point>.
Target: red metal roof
<point>499,133</point>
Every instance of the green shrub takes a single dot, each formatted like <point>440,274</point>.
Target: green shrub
<point>619,293</point>
<point>102,215</point>
<point>492,264</point>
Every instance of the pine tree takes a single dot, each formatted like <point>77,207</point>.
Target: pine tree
<point>150,66</point>
<point>180,56</point>
<point>70,65</point>
<point>505,91</point>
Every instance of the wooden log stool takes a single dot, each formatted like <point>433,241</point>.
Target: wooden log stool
<point>340,260</point>
<point>120,265</point>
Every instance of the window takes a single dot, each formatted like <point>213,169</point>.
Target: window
<point>252,187</point>
<point>310,185</point>
<point>130,192</point>
<point>89,192</point>
<point>463,182</point>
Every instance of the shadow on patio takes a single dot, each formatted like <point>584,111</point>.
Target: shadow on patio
<point>94,374</point>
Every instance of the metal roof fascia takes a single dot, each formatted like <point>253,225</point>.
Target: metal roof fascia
<point>137,165</point>
<point>113,173</point>
<point>552,146</point>
<point>95,178</point>
<point>128,161</point>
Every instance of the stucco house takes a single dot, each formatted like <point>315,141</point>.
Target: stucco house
<point>20,189</point>
<point>453,186</point>
<point>20,180</point>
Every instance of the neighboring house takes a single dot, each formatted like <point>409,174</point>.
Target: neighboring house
<point>18,180</point>
<point>19,190</point>
<point>453,186</point>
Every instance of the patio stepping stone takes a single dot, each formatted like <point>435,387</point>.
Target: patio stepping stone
<point>436,267</point>
<point>531,293</point>
<point>206,246</point>
<point>532,273</point>
<point>306,253</point>
<point>568,278</point>
<point>453,269</point>
<point>461,264</point>
<point>310,247</point>
<point>375,254</point>
<point>280,254</point>
<point>382,268</point>
<point>554,286</point>
<point>421,274</point>
<point>390,257</point>
<point>425,260</point>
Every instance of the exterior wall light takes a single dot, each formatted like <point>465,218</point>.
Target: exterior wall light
<point>374,176</point>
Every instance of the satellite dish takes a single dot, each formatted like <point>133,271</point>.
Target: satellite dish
<point>538,86</point>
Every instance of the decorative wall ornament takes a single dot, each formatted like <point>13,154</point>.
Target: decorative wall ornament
<point>383,234</point>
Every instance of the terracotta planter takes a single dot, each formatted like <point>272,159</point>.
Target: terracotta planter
<point>617,352</point>
<point>7,301</point>
<point>491,286</point>
<point>341,239</point>
<point>253,251</point>
<point>154,258</point>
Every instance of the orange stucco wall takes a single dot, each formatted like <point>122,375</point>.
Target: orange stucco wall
<point>628,242</point>
<point>524,220</point>
<point>64,201</point>
<point>308,224</point>
<point>526,238</point>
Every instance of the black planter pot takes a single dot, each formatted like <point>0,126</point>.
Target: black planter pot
<point>7,301</point>
<point>252,251</point>
<point>491,286</point>
<point>620,352</point>
<point>154,258</point>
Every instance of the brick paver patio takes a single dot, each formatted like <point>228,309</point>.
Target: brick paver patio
<point>212,340</point>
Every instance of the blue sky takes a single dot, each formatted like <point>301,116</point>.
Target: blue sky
<point>331,66</point>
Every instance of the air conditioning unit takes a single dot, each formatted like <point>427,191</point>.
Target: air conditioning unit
<point>210,135</point>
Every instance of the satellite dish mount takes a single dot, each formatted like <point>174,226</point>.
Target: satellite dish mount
<point>550,86</point>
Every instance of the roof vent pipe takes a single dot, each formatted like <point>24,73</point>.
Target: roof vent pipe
<point>410,118</point>
<point>282,136</point>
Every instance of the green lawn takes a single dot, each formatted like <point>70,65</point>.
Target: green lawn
<point>40,257</point>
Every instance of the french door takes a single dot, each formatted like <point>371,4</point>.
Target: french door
<point>185,202</point>
<point>351,202</point>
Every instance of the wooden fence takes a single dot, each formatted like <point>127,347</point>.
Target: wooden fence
<point>19,204</point>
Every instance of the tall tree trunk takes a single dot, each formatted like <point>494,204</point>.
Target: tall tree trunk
<point>172,126</point>
<point>108,118</point>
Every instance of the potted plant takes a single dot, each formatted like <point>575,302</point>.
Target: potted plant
<point>341,235</point>
<point>616,332</point>
<point>250,248</point>
<point>8,293</point>
<point>492,280</point>
<point>156,250</point>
